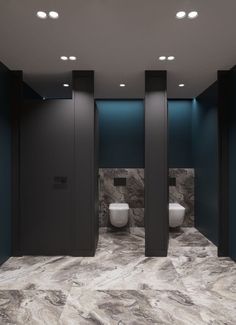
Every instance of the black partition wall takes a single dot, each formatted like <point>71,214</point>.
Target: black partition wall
<point>227,161</point>
<point>156,164</point>
<point>57,173</point>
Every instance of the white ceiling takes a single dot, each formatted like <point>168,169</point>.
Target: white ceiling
<point>119,39</point>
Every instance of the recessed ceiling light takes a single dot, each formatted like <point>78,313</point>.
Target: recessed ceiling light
<point>42,14</point>
<point>181,85</point>
<point>64,58</point>
<point>72,58</point>
<point>53,14</point>
<point>162,58</point>
<point>122,85</point>
<point>181,15</point>
<point>66,85</point>
<point>193,14</point>
<point>170,58</point>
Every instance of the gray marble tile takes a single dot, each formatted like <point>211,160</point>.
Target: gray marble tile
<point>213,308</point>
<point>41,273</point>
<point>122,286</point>
<point>212,274</point>
<point>136,217</point>
<point>189,242</point>
<point>188,237</point>
<point>211,284</point>
<point>183,192</point>
<point>112,307</point>
<point>31,307</point>
<point>124,266</point>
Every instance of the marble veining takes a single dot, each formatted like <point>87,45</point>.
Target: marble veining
<point>183,192</point>
<point>133,193</point>
<point>119,285</point>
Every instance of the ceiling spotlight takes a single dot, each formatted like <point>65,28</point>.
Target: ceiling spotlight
<point>72,58</point>
<point>193,14</point>
<point>41,14</point>
<point>162,58</point>
<point>181,15</point>
<point>64,58</point>
<point>181,85</point>
<point>53,14</point>
<point>122,85</point>
<point>66,85</point>
<point>170,58</point>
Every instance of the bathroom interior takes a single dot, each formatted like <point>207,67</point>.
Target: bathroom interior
<point>119,128</point>
<point>117,162</point>
<point>122,166</point>
<point>115,202</point>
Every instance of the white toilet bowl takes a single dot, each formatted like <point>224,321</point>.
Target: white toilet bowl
<point>176,215</point>
<point>119,214</point>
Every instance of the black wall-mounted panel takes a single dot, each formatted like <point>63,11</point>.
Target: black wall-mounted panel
<point>156,164</point>
<point>47,149</point>
<point>56,202</point>
<point>232,169</point>
<point>227,151</point>
<point>119,181</point>
<point>224,79</point>
<point>5,163</point>
<point>172,181</point>
<point>85,161</point>
<point>17,102</point>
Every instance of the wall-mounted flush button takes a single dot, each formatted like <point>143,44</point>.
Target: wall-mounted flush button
<point>172,181</point>
<point>119,181</point>
<point>60,182</point>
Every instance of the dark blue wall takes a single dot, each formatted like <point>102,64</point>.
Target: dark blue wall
<point>232,170</point>
<point>5,165</point>
<point>121,128</point>
<point>205,154</point>
<point>180,133</point>
<point>121,125</point>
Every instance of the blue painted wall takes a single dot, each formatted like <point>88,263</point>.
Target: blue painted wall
<point>232,170</point>
<point>180,133</point>
<point>205,154</point>
<point>121,128</point>
<point>5,165</point>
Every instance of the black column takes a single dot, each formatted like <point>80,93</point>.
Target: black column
<point>223,108</point>
<point>156,164</point>
<point>16,103</point>
<point>86,220</point>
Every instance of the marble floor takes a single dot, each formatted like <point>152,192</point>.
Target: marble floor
<point>120,285</point>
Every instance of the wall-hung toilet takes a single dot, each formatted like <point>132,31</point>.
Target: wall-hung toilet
<point>119,214</point>
<point>176,215</point>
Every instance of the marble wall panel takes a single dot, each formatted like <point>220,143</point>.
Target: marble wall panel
<point>183,192</point>
<point>133,193</point>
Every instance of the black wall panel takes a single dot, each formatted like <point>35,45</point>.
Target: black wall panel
<point>47,156</point>
<point>156,164</point>
<point>224,94</point>
<point>227,162</point>
<point>83,88</point>
<point>57,179</point>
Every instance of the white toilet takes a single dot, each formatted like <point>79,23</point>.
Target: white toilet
<point>176,215</point>
<point>119,214</point>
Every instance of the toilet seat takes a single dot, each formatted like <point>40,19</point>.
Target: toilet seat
<point>118,206</point>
